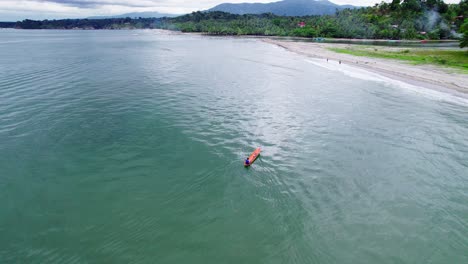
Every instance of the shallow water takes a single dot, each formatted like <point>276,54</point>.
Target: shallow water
<point>127,147</point>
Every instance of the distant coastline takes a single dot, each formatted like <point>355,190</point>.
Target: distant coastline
<point>427,75</point>
<point>441,69</point>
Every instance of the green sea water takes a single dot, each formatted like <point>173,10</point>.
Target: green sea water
<point>127,147</point>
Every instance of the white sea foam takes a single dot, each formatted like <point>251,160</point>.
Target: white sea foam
<point>363,74</point>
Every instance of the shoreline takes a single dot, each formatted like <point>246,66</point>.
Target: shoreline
<point>427,76</point>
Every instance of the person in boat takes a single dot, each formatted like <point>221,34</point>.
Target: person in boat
<point>247,161</point>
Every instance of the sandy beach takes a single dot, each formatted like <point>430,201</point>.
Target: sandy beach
<point>428,76</point>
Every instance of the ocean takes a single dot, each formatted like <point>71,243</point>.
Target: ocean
<point>128,147</point>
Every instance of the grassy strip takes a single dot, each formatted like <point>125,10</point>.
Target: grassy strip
<point>451,58</point>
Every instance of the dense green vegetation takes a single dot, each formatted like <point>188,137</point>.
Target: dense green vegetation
<point>400,19</point>
<point>7,24</point>
<point>464,31</point>
<point>109,23</point>
<point>407,19</point>
<point>450,58</point>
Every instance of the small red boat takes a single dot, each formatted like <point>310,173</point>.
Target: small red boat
<point>252,157</point>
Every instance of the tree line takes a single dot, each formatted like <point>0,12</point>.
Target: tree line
<point>407,19</point>
<point>400,19</point>
<point>108,23</point>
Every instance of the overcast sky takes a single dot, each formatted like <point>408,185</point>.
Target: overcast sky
<point>13,10</point>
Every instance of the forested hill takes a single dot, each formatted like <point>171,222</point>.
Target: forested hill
<point>283,8</point>
<point>407,19</point>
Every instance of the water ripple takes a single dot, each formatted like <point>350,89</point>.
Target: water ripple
<point>128,147</point>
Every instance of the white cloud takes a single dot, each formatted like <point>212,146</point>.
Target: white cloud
<point>39,9</point>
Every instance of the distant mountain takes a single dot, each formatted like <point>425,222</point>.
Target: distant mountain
<point>137,14</point>
<point>283,8</point>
